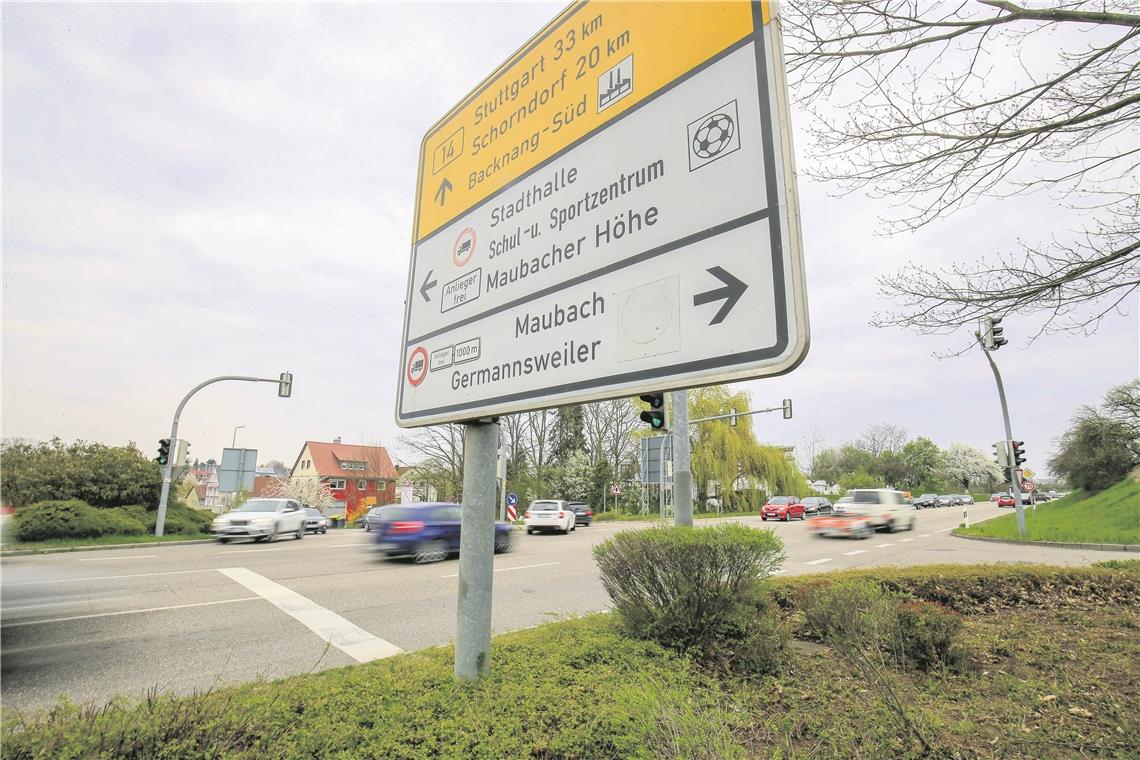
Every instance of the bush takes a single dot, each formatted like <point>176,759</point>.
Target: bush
<point>101,476</point>
<point>927,634</point>
<point>71,519</point>
<point>698,590</point>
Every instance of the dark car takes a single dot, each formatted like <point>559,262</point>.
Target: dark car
<point>427,532</point>
<point>817,505</point>
<point>370,521</point>
<point>315,522</point>
<point>926,501</point>
<point>583,515</point>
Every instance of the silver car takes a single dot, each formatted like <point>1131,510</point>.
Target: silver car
<point>261,520</point>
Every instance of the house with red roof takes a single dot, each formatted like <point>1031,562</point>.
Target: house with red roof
<point>358,477</point>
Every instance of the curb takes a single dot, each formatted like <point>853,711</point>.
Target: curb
<point>63,549</point>
<point>1055,544</point>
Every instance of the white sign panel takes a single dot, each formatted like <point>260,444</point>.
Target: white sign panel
<point>659,250</point>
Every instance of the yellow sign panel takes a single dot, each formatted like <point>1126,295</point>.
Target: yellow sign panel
<point>594,62</point>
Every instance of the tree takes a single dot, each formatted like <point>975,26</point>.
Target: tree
<point>440,448</point>
<point>882,437</point>
<point>964,466</point>
<point>1101,446</point>
<point>569,435</point>
<point>922,459</point>
<point>573,479</point>
<point>102,476</point>
<point>309,491</point>
<point>935,107</point>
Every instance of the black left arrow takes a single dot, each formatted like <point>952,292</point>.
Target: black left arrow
<point>731,292</point>
<point>441,193</point>
<point>429,283</point>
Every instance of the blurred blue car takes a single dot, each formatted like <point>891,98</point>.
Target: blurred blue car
<point>427,532</point>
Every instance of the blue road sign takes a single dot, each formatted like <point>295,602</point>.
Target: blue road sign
<point>512,499</point>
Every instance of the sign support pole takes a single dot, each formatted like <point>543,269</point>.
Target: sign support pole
<point>476,549</point>
<point>1014,483</point>
<point>682,472</point>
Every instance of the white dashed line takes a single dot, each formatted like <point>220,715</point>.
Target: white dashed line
<point>109,559</point>
<point>818,561</point>
<point>354,641</point>
<point>904,540</point>
<point>131,612</point>
<point>852,554</point>
<point>106,577</point>
<point>943,530</point>
<point>251,551</point>
<point>505,569</point>
<point>883,546</point>
<point>924,535</point>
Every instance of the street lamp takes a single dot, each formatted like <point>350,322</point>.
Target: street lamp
<point>233,444</point>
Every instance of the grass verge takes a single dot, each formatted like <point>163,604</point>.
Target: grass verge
<point>1054,679</point>
<point>71,543</point>
<point>1111,516</point>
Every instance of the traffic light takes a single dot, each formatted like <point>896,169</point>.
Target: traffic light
<point>163,451</point>
<point>1001,454</point>
<point>285,385</point>
<point>181,453</point>
<point>992,338</point>
<point>787,409</point>
<point>655,415</point>
<point>1018,453</point>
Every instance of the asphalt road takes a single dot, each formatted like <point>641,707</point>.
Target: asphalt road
<point>91,625</point>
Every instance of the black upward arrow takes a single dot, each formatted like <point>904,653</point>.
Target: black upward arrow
<point>429,283</point>
<point>731,292</point>
<point>441,193</point>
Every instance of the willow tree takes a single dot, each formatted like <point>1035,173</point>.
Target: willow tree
<point>725,453</point>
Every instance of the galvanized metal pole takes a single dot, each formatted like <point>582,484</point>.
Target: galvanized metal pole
<point>661,477</point>
<point>1014,485</point>
<point>476,550</point>
<point>682,472</point>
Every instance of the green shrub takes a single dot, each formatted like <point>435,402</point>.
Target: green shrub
<point>1132,565</point>
<point>117,522</point>
<point>927,635</point>
<point>698,590</point>
<point>58,519</point>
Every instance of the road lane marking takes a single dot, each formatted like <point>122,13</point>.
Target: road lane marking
<point>346,636</point>
<point>943,530</point>
<point>251,551</point>
<point>818,561</point>
<point>130,612</point>
<point>505,569</point>
<point>105,577</point>
<point>883,546</point>
<point>924,535</point>
<point>852,554</point>
<point>108,559</point>
<point>904,540</point>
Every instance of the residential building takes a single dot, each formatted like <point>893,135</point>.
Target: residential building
<point>358,477</point>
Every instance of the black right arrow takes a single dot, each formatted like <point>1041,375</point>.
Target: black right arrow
<point>429,283</point>
<point>441,193</point>
<point>732,291</point>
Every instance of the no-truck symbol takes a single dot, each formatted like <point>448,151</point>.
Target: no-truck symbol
<point>418,366</point>
<point>464,247</point>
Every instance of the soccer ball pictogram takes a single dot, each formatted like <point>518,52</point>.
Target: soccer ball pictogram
<point>713,135</point>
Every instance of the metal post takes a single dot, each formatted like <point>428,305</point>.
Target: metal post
<point>661,478</point>
<point>682,472</point>
<point>168,470</point>
<point>476,550</point>
<point>233,443</point>
<point>1014,485</point>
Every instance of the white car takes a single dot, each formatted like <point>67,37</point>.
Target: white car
<point>886,509</point>
<point>549,514</point>
<point>261,520</point>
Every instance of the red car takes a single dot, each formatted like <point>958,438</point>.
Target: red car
<point>783,508</point>
<point>1005,501</point>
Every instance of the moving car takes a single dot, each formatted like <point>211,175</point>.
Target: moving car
<point>371,519</point>
<point>885,508</point>
<point>967,498</point>
<point>427,532</point>
<point>549,514</point>
<point>817,505</point>
<point>845,524</point>
<point>841,505</point>
<point>261,520</point>
<point>1005,500</point>
<point>783,508</point>
<point>315,521</point>
<point>952,500</point>
<point>927,501</point>
<point>583,515</point>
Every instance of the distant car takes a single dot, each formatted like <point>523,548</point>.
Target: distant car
<point>261,520</point>
<point>817,505</point>
<point>315,521</point>
<point>842,504</point>
<point>945,500</point>
<point>427,532</point>
<point>885,508</point>
<point>1006,501</point>
<point>995,496</point>
<point>953,499</point>
<point>712,503</point>
<point>371,519</point>
<point>926,501</point>
<point>1043,497</point>
<point>549,514</point>
<point>967,498</point>
<point>583,515</point>
<point>783,508</point>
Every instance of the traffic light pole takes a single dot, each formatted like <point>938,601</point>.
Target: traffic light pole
<point>168,468</point>
<point>1009,438</point>
<point>682,470</point>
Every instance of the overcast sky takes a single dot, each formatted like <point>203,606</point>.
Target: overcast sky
<point>201,190</point>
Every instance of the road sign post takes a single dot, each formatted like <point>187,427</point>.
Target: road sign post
<point>613,211</point>
<point>476,550</point>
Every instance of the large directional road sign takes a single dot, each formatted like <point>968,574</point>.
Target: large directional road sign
<point>612,211</point>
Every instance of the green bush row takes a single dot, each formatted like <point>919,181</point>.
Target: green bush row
<point>74,519</point>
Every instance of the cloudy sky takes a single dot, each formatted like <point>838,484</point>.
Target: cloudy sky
<point>202,190</point>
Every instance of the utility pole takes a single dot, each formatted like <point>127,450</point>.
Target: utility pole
<point>476,549</point>
<point>990,339</point>
<point>284,389</point>
<point>682,471</point>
